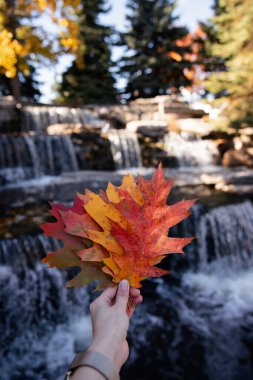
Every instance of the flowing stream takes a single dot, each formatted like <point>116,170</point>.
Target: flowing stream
<point>190,150</point>
<point>39,118</point>
<point>195,324</point>
<point>25,157</point>
<point>29,156</point>
<point>125,149</point>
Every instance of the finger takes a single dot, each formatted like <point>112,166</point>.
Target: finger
<point>137,300</point>
<point>108,296</point>
<point>122,295</point>
<point>134,292</point>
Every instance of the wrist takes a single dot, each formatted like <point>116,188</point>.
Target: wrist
<point>90,362</point>
<point>106,347</point>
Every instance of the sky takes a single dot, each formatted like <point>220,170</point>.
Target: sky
<point>189,11</point>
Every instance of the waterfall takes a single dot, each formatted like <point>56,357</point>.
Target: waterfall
<point>185,148</point>
<point>203,311</point>
<point>25,157</point>
<point>208,315</point>
<point>39,315</point>
<point>40,117</point>
<point>190,151</point>
<point>125,149</point>
<point>226,234</point>
<point>224,237</point>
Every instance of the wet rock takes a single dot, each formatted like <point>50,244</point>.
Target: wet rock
<point>189,182</point>
<point>68,128</point>
<point>224,175</point>
<point>9,115</point>
<point>61,188</point>
<point>93,151</point>
<point>234,158</point>
<point>152,151</point>
<point>235,189</point>
<point>219,135</point>
<point>238,182</point>
<point>115,121</point>
<point>168,162</point>
<point>224,146</point>
<point>152,128</point>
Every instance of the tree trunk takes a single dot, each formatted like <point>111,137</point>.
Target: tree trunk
<point>15,88</point>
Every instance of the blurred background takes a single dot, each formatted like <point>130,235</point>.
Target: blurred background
<point>92,90</point>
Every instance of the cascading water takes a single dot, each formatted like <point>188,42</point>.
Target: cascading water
<point>190,151</point>
<point>227,233</point>
<point>186,149</point>
<point>125,149</point>
<point>201,328</point>
<point>24,157</point>
<point>40,318</point>
<point>21,158</point>
<point>39,118</point>
<point>195,324</point>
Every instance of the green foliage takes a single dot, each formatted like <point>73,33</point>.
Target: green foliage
<point>234,44</point>
<point>211,62</point>
<point>89,80</point>
<point>152,35</point>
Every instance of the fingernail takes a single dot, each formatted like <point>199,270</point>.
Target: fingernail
<point>124,285</point>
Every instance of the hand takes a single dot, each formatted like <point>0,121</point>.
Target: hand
<point>110,314</point>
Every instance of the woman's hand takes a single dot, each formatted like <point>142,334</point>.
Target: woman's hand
<point>110,314</point>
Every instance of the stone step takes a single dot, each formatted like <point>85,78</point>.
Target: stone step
<point>189,181</point>
<point>235,189</point>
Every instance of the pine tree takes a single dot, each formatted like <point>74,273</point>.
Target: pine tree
<point>154,60</point>
<point>91,81</point>
<point>234,44</point>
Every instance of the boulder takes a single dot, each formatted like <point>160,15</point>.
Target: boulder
<point>152,128</point>
<point>114,120</point>
<point>247,131</point>
<point>219,135</point>
<point>224,146</point>
<point>234,158</point>
<point>68,128</point>
<point>235,189</point>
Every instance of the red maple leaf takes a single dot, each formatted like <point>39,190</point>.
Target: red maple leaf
<point>120,233</point>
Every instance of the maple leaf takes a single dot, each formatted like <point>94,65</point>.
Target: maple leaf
<point>119,233</point>
<point>68,255</point>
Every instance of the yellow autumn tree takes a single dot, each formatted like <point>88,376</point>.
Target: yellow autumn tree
<point>26,34</point>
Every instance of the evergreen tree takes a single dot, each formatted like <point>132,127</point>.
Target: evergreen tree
<point>234,44</point>
<point>92,80</point>
<point>154,60</point>
<point>29,86</point>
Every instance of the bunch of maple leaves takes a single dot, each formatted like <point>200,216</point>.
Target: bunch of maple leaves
<point>122,233</point>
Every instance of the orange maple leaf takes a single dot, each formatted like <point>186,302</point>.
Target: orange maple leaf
<point>120,233</point>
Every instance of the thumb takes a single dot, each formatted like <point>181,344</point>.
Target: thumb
<point>122,295</point>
